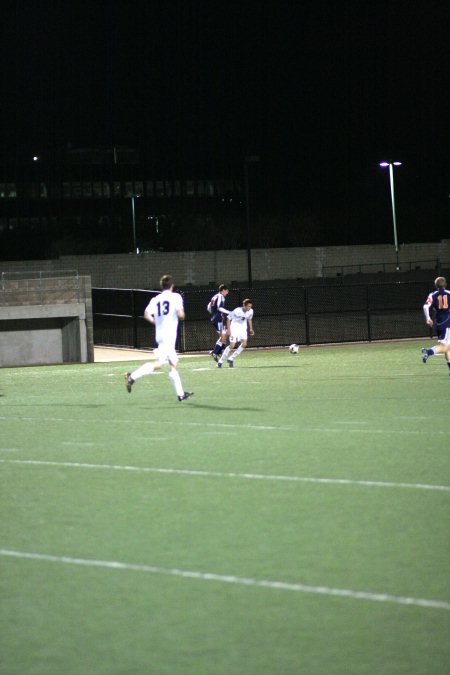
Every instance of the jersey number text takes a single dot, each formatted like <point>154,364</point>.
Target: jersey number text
<point>163,307</point>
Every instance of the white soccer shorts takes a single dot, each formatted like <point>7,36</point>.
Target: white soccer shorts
<point>238,332</point>
<point>166,354</point>
<point>446,339</point>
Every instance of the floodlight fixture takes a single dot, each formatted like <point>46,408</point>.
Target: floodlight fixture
<point>391,181</point>
<point>135,246</point>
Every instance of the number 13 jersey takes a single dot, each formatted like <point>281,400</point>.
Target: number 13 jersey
<point>164,308</point>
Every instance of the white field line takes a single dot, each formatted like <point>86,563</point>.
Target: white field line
<point>251,427</point>
<point>216,433</point>
<point>78,443</point>
<point>231,579</point>
<point>219,474</point>
<point>408,417</point>
<point>145,439</point>
<point>349,422</point>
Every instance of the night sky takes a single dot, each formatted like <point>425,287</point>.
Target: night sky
<point>321,91</point>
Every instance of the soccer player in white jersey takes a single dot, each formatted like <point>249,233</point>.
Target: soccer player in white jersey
<point>239,322</point>
<point>164,311</point>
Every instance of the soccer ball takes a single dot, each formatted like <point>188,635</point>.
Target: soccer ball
<point>293,349</point>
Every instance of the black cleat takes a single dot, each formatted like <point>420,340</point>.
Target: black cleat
<point>215,356</point>
<point>128,382</point>
<point>425,355</point>
<point>230,363</point>
<point>185,395</point>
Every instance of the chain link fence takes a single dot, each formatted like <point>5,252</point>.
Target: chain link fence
<point>283,315</point>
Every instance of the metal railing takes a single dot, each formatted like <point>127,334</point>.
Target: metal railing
<point>384,267</point>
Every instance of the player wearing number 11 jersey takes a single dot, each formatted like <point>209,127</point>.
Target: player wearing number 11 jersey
<point>164,311</point>
<point>439,302</point>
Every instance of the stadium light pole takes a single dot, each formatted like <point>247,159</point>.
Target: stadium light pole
<point>391,180</point>
<point>135,247</point>
<point>250,159</point>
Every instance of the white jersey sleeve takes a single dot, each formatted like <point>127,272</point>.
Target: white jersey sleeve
<point>427,305</point>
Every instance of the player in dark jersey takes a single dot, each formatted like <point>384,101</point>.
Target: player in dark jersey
<point>439,302</point>
<point>218,319</point>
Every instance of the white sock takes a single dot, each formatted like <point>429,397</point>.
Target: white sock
<point>224,354</point>
<point>237,351</point>
<point>176,381</point>
<point>145,369</point>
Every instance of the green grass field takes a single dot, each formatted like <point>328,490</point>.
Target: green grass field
<point>291,517</point>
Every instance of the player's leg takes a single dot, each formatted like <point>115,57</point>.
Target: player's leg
<point>238,351</point>
<point>146,369</point>
<point>217,349</point>
<point>225,353</point>
<point>220,342</point>
<point>175,378</point>
<point>433,351</point>
<point>223,341</point>
<point>447,347</point>
<point>443,346</point>
<point>443,337</point>
<point>168,354</point>
<point>240,339</point>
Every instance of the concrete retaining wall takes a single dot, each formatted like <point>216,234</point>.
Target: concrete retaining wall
<point>201,268</point>
<point>45,320</point>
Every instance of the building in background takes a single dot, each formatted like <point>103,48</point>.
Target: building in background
<point>112,200</point>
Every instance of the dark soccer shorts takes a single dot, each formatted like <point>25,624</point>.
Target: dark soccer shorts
<point>217,322</point>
